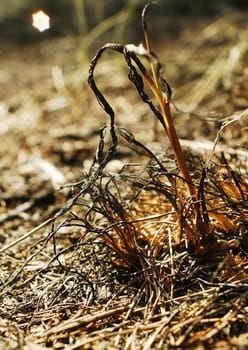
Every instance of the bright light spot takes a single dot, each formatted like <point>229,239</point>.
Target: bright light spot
<point>41,21</point>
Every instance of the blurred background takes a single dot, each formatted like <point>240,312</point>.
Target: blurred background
<point>81,16</point>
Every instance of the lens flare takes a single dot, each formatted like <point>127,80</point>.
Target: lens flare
<point>40,21</point>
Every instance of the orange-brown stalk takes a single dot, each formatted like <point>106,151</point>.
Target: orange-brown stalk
<point>163,101</point>
<point>196,226</point>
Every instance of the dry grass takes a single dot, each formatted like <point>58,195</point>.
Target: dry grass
<point>124,264</point>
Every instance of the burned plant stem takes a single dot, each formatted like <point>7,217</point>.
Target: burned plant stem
<point>162,92</point>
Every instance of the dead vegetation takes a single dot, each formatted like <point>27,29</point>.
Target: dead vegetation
<point>136,255</point>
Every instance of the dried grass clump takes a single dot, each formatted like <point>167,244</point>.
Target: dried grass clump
<point>168,295</point>
<point>138,213</point>
<point>197,211</point>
